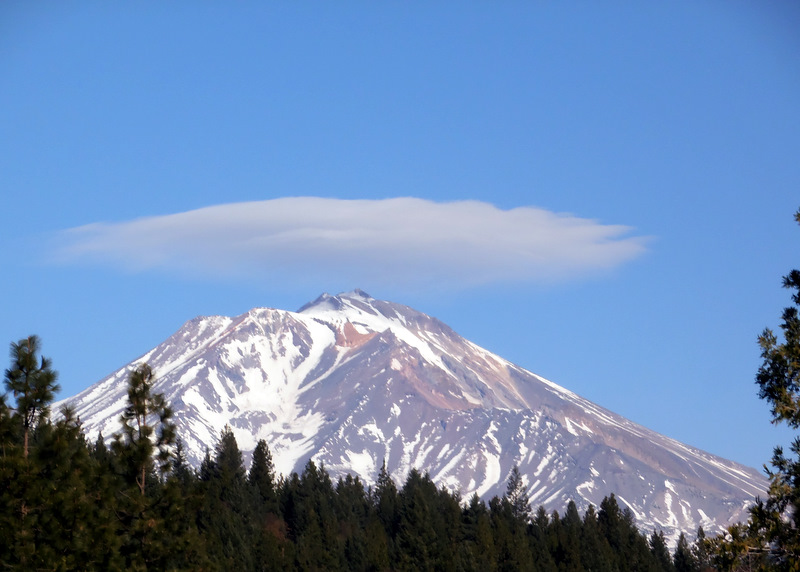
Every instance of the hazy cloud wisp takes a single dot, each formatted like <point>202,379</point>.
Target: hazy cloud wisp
<point>394,241</point>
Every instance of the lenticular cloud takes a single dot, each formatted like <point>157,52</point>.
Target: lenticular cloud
<point>400,240</point>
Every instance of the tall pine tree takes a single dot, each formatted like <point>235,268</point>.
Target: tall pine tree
<point>32,382</point>
<point>145,444</point>
<point>776,520</point>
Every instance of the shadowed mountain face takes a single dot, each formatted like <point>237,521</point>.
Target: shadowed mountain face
<point>350,381</point>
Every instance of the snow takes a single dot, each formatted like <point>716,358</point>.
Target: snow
<point>449,466</point>
<point>372,429</point>
<point>361,463</point>
<point>490,435</point>
<point>492,473</point>
<point>672,520</point>
<point>471,398</point>
<point>263,372</point>
<point>585,488</point>
<point>542,464</point>
<point>373,321</point>
<point>636,513</point>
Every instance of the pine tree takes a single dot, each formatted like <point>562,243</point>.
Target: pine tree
<point>595,551</point>
<point>352,508</point>
<point>701,550</point>
<point>74,527</point>
<point>660,552</point>
<point>226,517</point>
<point>32,383</point>
<point>262,476</point>
<point>228,461</point>
<point>511,537</point>
<point>517,496</point>
<point>776,521</point>
<point>683,558</point>
<point>630,549</point>
<point>570,539</point>
<point>142,445</point>
<point>385,500</point>
<point>181,470</point>
<point>142,456</point>
<point>539,541</point>
<point>315,521</point>
<point>416,536</point>
<point>477,550</point>
<point>24,497</point>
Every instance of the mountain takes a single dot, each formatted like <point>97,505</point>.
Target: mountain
<point>351,381</point>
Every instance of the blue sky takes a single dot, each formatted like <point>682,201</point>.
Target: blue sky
<point>601,193</point>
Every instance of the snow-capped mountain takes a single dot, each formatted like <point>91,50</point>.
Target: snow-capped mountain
<point>351,381</point>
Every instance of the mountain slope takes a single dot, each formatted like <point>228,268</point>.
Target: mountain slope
<point>350,381</point>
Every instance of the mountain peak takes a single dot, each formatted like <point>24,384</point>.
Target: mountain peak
<point>356,293</point>
<point>350,380</point>
<point>326,302</point>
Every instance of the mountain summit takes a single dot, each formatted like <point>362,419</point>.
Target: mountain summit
<point>351,381</point>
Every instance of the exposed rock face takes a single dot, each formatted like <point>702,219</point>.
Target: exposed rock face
<point>350,381</point>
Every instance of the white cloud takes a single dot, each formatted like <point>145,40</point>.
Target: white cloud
<point>363,242</point>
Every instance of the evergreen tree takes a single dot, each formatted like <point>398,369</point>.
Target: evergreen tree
<point>477,546</point>
<point>376,544</point>
<point>570,540</point>
<point>141,444</point>
<point>315,522</point>
<point>352,508</point>
<point>595,551</point>
<point>385,500</point>
<point>702,550</point>
<point>517,496</point>
<point>683,558</point>
<point>142,456</point>
<point>262,476</point>
<point>32,382</point>
<point>631,550</point>
<point>77,528</point>
<point>228,461</point>
<point>541,541</point>
<point>416,536</point>
<point>511,539</point>
<point>776,521</point>
<point>226,518</point>
<point>660,552</point>
<point>181,471</point>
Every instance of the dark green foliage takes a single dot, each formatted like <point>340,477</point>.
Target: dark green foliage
<point>659,550</point>
<point>702,550</point>
<point>144,444</point>
<point>262,476</point>
<point>226,515</point>
<point>773,534</point>
<point>517,497</point>
<point>386,501</point>
<point>32,382</point>
<point>476,551</point>
<point>683,558</point>
<point>630,549</point>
